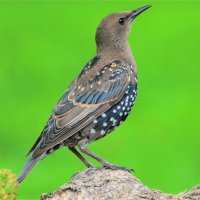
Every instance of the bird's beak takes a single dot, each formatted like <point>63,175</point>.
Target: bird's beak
<point>138,11</point>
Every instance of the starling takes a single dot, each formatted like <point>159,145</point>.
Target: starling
<point>98,100</point>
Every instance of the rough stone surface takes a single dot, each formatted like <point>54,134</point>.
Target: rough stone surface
<point>107,184</point>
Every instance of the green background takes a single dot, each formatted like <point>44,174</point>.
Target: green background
<point>43,47</point>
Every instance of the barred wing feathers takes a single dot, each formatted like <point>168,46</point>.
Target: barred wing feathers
<point>82,103</point>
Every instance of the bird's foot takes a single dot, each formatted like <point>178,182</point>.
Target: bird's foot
<point>90,170</point>
<point>115,167</point>
<point>73,175</point>
<point>87,171</point>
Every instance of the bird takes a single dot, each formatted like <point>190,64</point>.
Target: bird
<point>98,100</point>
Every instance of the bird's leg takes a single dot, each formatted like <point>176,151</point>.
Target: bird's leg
<point>87,163</point>
<point>102,161</point>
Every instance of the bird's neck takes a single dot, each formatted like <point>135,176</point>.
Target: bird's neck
<point>116,51</point>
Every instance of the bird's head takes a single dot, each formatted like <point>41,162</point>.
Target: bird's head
<point>114,29</point>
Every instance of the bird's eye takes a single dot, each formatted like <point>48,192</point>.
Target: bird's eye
<point>121,21</point>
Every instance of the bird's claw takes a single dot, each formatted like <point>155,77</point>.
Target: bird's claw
<point>73,175</point>
<point>114,167</point>
<point>90,169</point>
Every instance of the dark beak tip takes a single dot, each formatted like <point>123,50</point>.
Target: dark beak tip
<point>139,11</point>
<point>142,9</point>
<point>148,6</point>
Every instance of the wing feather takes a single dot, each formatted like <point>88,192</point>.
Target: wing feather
<point>81,104</point>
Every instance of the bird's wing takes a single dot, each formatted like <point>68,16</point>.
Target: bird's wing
<point>82,103</point>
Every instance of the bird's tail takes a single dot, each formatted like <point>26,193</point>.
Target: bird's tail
<point>28,166</point>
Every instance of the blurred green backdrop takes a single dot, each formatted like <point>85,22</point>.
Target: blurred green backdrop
<point>45,44</point>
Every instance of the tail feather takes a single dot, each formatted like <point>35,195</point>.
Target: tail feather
<point>28,166</point>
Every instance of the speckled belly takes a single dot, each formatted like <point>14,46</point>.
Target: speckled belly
<point>113,117</point>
